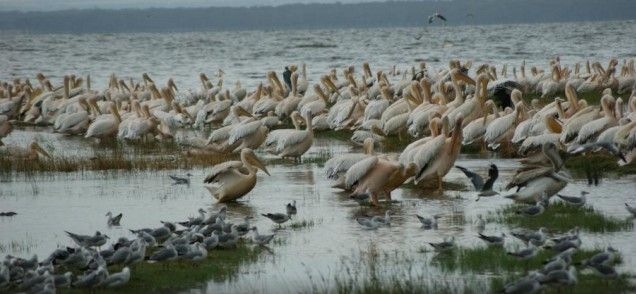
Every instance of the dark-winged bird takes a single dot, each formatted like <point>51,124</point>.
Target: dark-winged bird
<point>485,189</point>
<point>432,17</point>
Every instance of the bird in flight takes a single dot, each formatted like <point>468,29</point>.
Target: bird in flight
<point>436,15</point>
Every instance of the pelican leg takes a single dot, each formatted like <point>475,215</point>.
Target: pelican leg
<point>374,199</point>
<point>388,196</point>
<point>439,184</point>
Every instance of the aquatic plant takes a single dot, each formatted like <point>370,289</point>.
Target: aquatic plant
<point>560,216</point>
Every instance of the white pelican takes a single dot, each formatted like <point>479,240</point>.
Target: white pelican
<point>502,129</point>
<point>250,134</point>
<point>142,126</point>
<point>476,129</point>
<point>552,135</point>
<point>471,109</point>
<point>590,130</point>
<point>574,124</point>
<point>376,176</point>
<point>410,151</point>
<point>534,181</point>
<point>314,104</point>
<point>104,126</point>
<point>294,143</point>
<point>303,84</point>
<point>74,123</point>
<point>19,152</point>
<point>233,179</point>
<point>337,166</point>
<point>285,107</point>
<point>436,162</point>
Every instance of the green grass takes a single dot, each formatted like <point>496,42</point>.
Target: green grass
<point>561,217</point>
<point>599,162</point>
<point>495,260</point>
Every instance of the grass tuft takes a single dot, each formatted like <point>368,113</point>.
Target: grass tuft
<point>561,217</point>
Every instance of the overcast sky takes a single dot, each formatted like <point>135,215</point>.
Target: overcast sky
<point>46,5</point>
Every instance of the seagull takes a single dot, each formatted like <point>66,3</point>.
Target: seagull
<point>561,277</point>
<point>493,240</point>
<point>577,201</point>
<point>261,240</point>
<point>96,240</point>
<point>92,279</point>
<point>604,271</point>
<point>523,285</point>
<point>291,208</point>
<point>607,257</point>
<point>485,189</point>
<point>526,253</point>
<point>167,253</point>
<point>429,223</point>
<point>446,245</point>
<point>386,220</point>
<point>113,221</point>
<point>181,180</point>
<point>565,245</point>
<point>533,210</point>
<point>278,218</point>
<point>631,209</point>
<point>117,279</point>
<point>368,223</point>
<point>436,15</point>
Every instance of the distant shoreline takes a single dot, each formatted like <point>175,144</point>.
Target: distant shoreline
<point>316,16</point>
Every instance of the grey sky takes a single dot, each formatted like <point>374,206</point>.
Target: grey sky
<point>47,5</point>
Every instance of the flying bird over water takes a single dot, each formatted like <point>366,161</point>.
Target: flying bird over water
<point>436,15</point>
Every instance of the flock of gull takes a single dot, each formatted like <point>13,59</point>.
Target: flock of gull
<point>436,110</point>
<point>188,241</point>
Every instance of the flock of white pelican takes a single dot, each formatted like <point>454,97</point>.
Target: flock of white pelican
<point>438,111</point>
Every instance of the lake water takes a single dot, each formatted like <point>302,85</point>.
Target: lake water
<point>50,203</point>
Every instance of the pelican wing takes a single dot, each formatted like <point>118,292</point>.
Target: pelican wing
<point>220,134</point>
<point>292,138</point>
<point>340,164</point>
<point>221,168</point>
<point>276,136</point>
<point>524,176</point>
<point>244,130</point>
<point>357,171</point>
<point>427,154</point>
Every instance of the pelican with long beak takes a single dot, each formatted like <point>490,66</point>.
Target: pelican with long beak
<point>19,152</point>
<point>233,179</point>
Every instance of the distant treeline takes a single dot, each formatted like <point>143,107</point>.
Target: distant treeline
<point>307,16</point>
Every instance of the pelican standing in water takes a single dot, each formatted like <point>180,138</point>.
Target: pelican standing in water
<point>233,179</point>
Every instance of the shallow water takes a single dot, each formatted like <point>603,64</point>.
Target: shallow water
<point>50,203</point>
